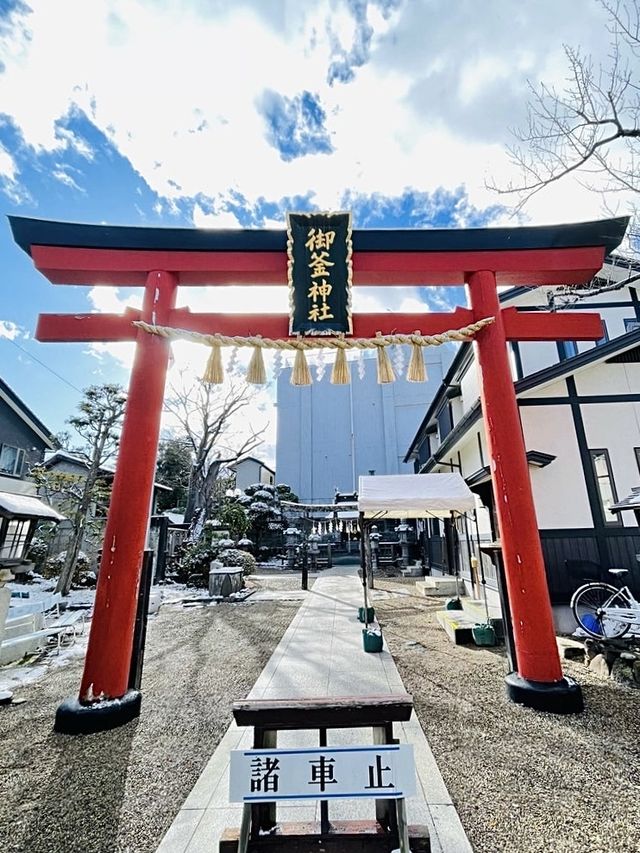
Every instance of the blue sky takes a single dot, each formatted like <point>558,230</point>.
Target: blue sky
<point>227,114</point>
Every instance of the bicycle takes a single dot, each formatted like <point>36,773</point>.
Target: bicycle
<point>604,611</point>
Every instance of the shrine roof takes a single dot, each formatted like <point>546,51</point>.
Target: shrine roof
<point>27,232</point>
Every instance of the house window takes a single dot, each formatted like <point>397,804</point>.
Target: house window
<point>445,421</point>
<point>11,460</point>
<point>604,339</point>
<point>605,484</point>
<point>567,349</point>
<point>15,539</point>
<point>515,359</point>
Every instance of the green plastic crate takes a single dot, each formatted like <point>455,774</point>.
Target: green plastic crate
<point>370,614</point>
<point>483,635</point>
<point>371,642</point>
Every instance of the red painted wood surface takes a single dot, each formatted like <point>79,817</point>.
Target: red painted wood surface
<point>534,633</point>
<point>53,328</point>
<point>116,327</point>
<point>106,671</point>
<point>519,326</point>
<point>545,326</point>
<point>62,265</point>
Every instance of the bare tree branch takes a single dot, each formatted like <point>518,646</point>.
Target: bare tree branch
<point>207,415</point>
<point>592,125</point>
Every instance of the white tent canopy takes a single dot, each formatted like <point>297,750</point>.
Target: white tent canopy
<point>414,496</point>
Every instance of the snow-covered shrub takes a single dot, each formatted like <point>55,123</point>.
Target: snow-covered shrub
<point>261,487</point>
<point>37,553</point>
<point>53,566</point>
<point>241,559</point>
<point>193,562</point>
<point>85,580</point>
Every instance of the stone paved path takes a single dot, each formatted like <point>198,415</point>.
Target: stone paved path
<point>319,655</point>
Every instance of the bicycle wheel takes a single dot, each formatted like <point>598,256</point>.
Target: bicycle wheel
<point>588,605</point>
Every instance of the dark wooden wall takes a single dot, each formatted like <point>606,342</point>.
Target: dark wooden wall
<point>572,558</point>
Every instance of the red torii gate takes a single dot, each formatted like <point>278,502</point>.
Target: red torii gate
<point>160,260</point>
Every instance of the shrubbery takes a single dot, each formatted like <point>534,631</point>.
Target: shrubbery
<point>193,563</point>
<point>53,566</point>
<point>37,553</point>
<point>235,557</point>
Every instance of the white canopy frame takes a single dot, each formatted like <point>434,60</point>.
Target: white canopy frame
<point>409,496</point>
<point>414,496</point>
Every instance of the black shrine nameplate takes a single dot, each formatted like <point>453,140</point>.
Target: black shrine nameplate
<point>319,252</point>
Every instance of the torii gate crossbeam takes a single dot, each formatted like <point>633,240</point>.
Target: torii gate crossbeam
<point>161,260</point>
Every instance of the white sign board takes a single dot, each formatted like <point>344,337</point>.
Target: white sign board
<point>325,773</point>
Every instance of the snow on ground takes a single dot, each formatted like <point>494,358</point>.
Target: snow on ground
<point>15,676</point>
<point>177,593</point>
<point>39,665</point>
<point>39,588</point>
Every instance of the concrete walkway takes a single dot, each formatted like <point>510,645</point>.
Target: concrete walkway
<point>319,655</point>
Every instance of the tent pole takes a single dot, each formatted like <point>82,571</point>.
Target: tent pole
<point>454,550</point>
<point>467,536</point>
<point>363,566</point>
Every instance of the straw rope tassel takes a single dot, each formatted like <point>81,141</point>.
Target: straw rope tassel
<point>385,370</point>
<point>417,372</point>
<point>300,375</point>
<point>340,374</point>
<point>214,372</point>
<point>256,372</point>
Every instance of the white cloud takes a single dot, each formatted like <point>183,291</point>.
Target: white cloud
<point>66,179</point>
<point>9,178</point>
<point>11,330</point>
<point>174,85</point>
<point>110,300</point>
<point>8,168</point>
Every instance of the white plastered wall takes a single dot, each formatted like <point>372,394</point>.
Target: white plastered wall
<point>609,379</point>
<point>470,387</point>
<point>559,489</point>
<point>553,389</point>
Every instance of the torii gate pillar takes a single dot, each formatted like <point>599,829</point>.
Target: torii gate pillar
<point>539,681</point>
<point>108,660</point>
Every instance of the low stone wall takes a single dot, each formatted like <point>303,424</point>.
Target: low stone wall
<point>617,660</point>
<point>224,580</point>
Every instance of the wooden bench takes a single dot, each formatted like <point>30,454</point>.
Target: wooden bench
<point>260,829</point>
<point>67,626</point>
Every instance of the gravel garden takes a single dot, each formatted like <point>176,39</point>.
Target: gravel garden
<point>120,790</point>
<point>522,781</point>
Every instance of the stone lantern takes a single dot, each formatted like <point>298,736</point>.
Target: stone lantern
<point>403,537</point>
<point>292,540</point>
<point>374,538</point>
<point>314,549</point>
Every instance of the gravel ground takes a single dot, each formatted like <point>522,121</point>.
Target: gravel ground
<point>120,790</point>
<point>522,781</point>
